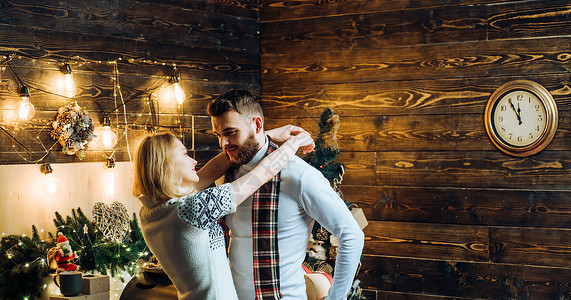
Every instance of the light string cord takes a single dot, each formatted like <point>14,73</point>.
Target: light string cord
<point>152,111</point>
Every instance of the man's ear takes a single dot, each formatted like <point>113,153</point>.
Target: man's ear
<point>258,123</point>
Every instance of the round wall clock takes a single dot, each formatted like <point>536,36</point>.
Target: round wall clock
<point>521,118</point>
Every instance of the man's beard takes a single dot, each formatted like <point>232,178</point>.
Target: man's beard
<point>245,152</point>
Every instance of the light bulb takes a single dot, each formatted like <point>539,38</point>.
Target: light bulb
<point>178,93</point>
<point>69,85</point>
<point>24,109</point>
<point>108,137</point>
<point>177,89</point>
<point>52,183</point>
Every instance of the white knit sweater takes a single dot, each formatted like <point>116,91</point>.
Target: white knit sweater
<point>188,242</point>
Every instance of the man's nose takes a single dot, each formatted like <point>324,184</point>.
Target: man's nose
<point>224,141</point>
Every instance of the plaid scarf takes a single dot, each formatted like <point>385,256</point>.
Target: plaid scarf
<point>265,235</point>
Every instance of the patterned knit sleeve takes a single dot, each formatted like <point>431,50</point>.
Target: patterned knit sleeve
<point>208,206</point>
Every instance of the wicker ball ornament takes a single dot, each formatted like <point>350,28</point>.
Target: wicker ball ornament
<point>112,221</point>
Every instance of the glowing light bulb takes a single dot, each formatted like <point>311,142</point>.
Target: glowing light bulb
<point>52,183</point>
<point>25,111</point>
<point>108,136</point>
<point>178,93</point>
<point>69,85</point>
<point>173,91</point>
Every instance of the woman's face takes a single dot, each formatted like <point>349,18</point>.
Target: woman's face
<point>184,164</point>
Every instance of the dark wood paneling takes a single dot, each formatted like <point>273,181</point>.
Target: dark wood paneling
<point>383,295</point>
<point>403,97</point>
<point>363,29</point>
<point>469,206</point>
<point>240,8</point>
<point>490,169</point>
<point>211,64</point>
<point>529,19</point>
<point>421,132</point>
<point>136,20</point>
<point>464,279</point>
<point>375,30</point>
<point>279,10</point>
<point>531,246</point>
<point>454,60</point>
<point>425,240</point>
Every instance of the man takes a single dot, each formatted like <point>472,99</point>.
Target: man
<point>266,265</point>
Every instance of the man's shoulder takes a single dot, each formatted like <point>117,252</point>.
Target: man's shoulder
<point>300,169</point>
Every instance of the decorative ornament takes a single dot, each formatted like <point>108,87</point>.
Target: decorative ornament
<point>316,250</point>
<point>73,129</point>
<point>322,234</point>
<point>62,256</point>
<point>112,221</point>
<point>333,248</point>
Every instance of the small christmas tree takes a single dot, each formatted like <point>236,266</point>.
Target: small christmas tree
<point>322,248</point>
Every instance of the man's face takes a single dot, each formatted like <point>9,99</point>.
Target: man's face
<point>236,137</point>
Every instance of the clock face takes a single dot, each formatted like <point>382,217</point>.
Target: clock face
<point>518,118</point>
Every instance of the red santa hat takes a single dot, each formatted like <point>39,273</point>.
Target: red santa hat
<point>61,240</point>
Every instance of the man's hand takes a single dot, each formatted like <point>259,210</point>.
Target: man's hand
<point>284,133</point>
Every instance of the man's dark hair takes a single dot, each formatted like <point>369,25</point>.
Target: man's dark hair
<point>240,101</point>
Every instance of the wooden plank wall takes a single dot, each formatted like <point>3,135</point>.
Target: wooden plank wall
<point>213,43</point>
<point>451,217</point>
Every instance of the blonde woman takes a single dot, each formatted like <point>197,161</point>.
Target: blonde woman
<point>179,219</point>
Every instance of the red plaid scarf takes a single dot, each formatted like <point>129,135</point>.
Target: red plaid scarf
<point>265,235</point>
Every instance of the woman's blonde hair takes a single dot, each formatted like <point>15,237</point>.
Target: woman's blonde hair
<point>155,174</point>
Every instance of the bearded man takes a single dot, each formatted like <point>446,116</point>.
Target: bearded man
<point>267,248</point>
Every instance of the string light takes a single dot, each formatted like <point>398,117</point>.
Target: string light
<point>25,111</point>
<point>173,91</point>
<point>69,85</point>
<point>178,92</point>
<point>108,136</point>
<point>52,183</point>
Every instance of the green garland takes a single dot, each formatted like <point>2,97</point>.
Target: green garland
<point>23,262</point>
<point>23,265</point>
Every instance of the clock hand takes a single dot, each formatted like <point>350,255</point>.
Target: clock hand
<point>516,112</point>
<point>519,113</point>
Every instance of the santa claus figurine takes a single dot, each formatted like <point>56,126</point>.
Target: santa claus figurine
<point>65,255</point>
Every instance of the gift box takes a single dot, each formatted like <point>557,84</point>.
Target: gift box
<point>359,216</point>
<point>95,283</point>
<point>98,296</point>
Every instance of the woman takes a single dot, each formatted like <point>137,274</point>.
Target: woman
<point>179,226</point>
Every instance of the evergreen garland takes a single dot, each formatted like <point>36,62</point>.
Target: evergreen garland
<point>23,263</point>
<point>96,254</point>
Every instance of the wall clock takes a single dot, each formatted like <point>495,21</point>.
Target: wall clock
<point>521,118</point>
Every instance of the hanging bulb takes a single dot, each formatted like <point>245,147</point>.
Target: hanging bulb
<point>178,92</point>
<point>24,109</point>
<point>108,136</point>
<point>52,183</point>
<point>69,85</point>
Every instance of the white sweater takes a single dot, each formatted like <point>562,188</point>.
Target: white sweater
<point>305,196</point>
<point>188,242</point>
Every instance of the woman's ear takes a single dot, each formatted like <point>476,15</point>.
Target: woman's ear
<point>258,123</point>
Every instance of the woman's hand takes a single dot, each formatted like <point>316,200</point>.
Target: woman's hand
<point>284,133</point>
<point>303,139</point>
